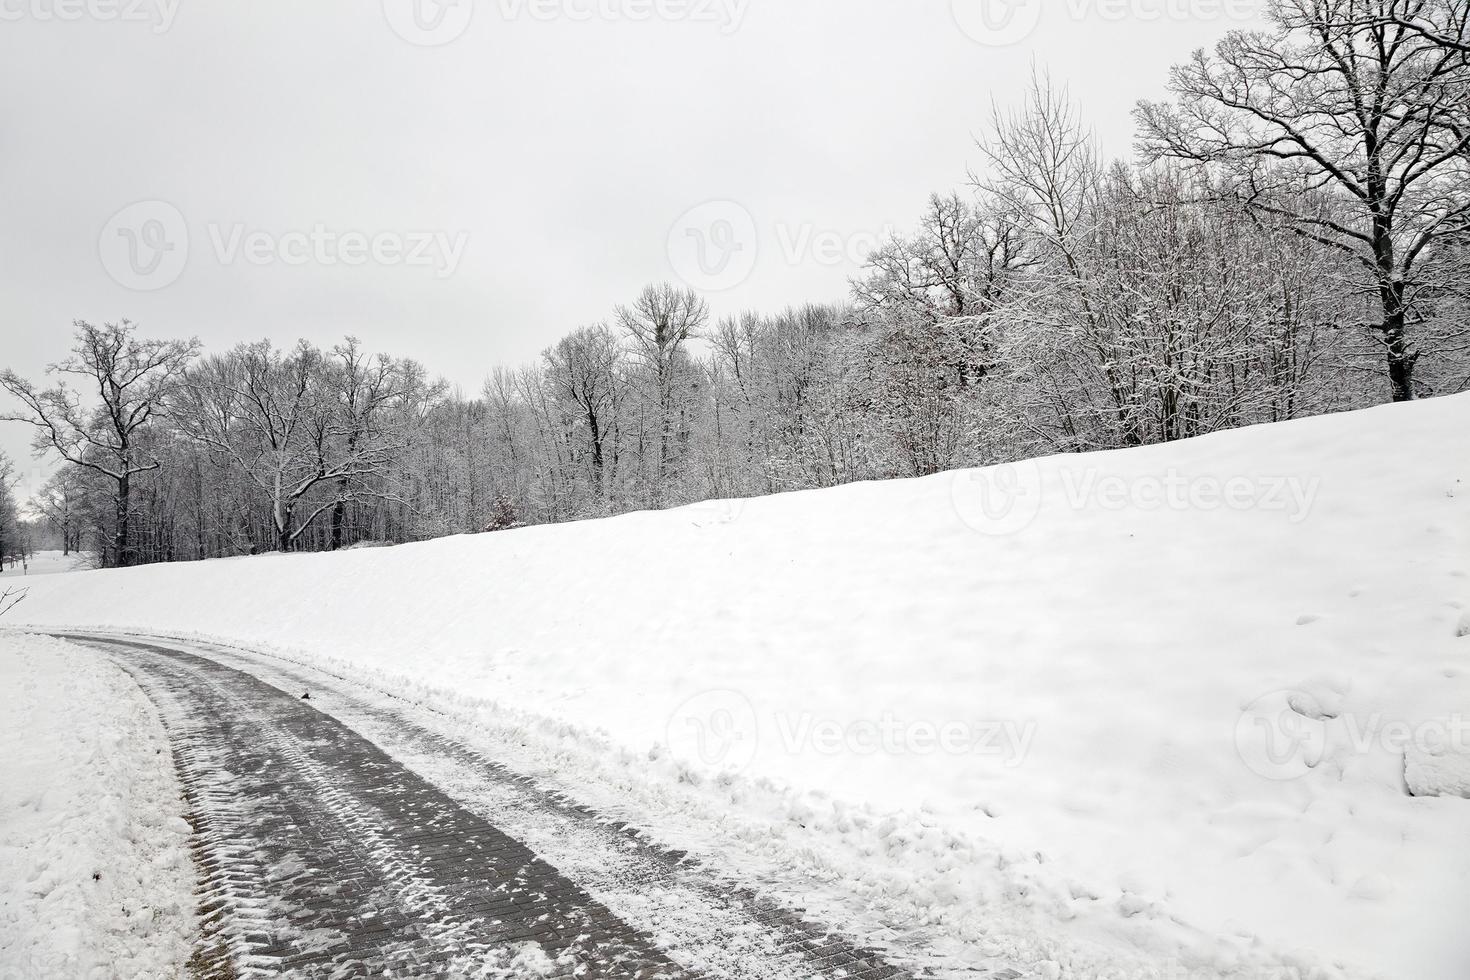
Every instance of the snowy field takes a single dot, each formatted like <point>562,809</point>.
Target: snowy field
<point>1172,704</point>
<point>95,875</point>
<point>43,563</point>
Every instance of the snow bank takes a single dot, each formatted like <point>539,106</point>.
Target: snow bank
<point>95,875</point>
<point>1185,678</point>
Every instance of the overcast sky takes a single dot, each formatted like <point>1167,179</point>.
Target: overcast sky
<point>465,183</point>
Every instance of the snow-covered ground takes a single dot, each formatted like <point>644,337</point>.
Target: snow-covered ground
<point>1167,702</point>
<point>95,875</point>
<point>43,563</point>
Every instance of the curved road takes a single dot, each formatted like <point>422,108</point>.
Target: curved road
<point>323,856</point>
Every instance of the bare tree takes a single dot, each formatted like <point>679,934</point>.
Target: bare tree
<point>1045,164</point>
<point>133,380</point>
<point>378,400</point>
<point>658,325</point>
<point>9,598</point>
<point>582,370</point>
<point>1356,97</point>
<point>941,286</point>
<point>59,502</point>
<point>10,536</point>
<point>1445,23</point>
<point>277,419</point>
<point>954,270</point>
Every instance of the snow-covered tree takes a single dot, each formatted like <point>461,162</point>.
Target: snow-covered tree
<point>128,382</point>
<point>1359,98</point>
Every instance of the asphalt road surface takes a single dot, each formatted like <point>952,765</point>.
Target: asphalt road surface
<point>321,855</point>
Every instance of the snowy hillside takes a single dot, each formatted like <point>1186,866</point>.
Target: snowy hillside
<point>1192,684</point>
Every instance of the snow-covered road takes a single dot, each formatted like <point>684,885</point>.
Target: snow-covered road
<point>1202,703</point>
<point>330,849</point>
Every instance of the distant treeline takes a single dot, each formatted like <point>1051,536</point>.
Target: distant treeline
<point>1291,240</point>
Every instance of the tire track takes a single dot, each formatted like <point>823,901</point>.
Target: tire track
<point>719,926</point>
<point>328,856</point>
<point>325,858</point>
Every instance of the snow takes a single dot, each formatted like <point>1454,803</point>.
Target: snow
<point>1167,702</point>
<point>95,875</point>
<point>42,563</point>
<point>1438,767</point>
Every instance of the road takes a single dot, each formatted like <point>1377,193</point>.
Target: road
<point>323,854</point>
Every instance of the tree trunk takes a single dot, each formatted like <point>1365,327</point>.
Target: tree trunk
<point>1400,366</point>
<point>284,537</point>
<point>597,460</point>
<point>121,555</point>
<point>339,518</point>
<point>1391,299</point>
<point>339,511</point>
<point>1401,357</point>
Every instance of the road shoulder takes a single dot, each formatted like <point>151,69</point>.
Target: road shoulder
<point>96,877</point>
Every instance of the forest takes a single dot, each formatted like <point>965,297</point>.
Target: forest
<point>1290,237</point>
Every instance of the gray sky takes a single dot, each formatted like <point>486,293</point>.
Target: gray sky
<point>465,183</point>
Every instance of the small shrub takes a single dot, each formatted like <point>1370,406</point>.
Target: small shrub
<point>503,515</point>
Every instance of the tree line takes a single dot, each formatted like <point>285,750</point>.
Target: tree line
<point>1291,238</point>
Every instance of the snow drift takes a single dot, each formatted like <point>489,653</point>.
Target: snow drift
<point>1219,680</point>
